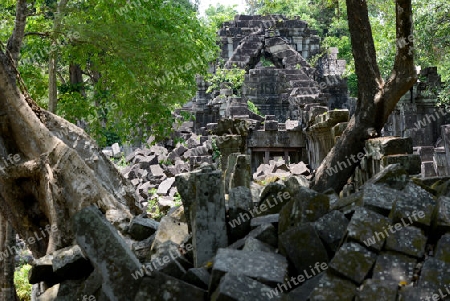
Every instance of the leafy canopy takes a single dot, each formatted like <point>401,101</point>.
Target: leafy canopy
<point>138,58</point>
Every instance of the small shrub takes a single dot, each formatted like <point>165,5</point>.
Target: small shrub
<point>177,199</point>
<point>121,163</point>
<point>23,287</point>
<point>167,162</point>
<point>252,107</point>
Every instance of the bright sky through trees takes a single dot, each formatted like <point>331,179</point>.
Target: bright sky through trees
<point>205,3</point>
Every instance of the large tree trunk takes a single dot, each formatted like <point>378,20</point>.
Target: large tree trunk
<point>7,264</point>
<point>60,171</point>
<point>76,78</point>
<point>376,97</point>
<point>50,169</point>
<point>7,233</point>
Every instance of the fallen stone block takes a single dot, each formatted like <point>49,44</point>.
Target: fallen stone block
<point>42,270</point>
<point>165,203</point>
<point>160,286</point>
<point>240,204</point>
<point>302,292</point>
<point>70,263</point>
<point>170,229</point>
<point>395,267</point>
<point>299,169</point>
<point>414,205</point>
<point>408,240</point>
<point>145,162</point>
<point>442,248</point>
<point>107,252</point>
<point>204,202</point>
<point>158,150</point>
<point>302,246</point>
<point>117,153</point>
<point>331,228</point>
<point>367,227</point>
<point>266,233</point>
<point>168,260</point>
<point>333,288</point>
<point>379,290</point>
<point>142,228</point>
<point>142,249</point>
<point>193,141</point>
<point>379,198</point>
<point>238,287</point>
<point>165,186</point>
<point>265,219</point>
<point>267,268</point>
<point>252,244</point>
<point>434,274</point>
<point>441,223</point>
<point>273,197</point>
<point>305,206</point>
<point>410,162</point>
<point>417,294</point>
<point>199,277</point>
<point>348,204</point>
<point>156,170</point>
<point>353,261</point>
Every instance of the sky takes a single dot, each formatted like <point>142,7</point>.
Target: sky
<point>204,4</point>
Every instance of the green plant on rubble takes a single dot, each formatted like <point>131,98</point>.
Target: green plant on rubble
<point>121,162</point>
<point>166,162</point>
<point>216,151</point>
<point>23,287</point>
<point>177,199</point>
<point>234,77</point>
<point>444,95</point>
<point>153,206</point>
<point>252,107</point>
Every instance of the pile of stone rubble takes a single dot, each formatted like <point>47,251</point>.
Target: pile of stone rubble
<point>282,241</point>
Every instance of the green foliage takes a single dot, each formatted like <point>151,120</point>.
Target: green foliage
<point>153,206</point>
<point>164,36</point>
<point>234,77</point>
<point>177,199</point>
<point>216,15</point>
<point>318,14</point>
<point>265,62</point>
<point>216,151</point>
<point>432,34</point>
<point>167,162</point>
<point>23,287</point>
<point>352,83</point>
<point>252,107</point>
<point>140,56</point>
<point>444,95</point>
<point>121,162</point>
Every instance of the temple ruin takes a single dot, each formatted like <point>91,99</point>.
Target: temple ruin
<point>303,108</point>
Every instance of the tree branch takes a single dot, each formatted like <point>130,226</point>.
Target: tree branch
<point>404,74</point>
<point>15,41</point>
<point>34,33</point>
<point>363,49</point>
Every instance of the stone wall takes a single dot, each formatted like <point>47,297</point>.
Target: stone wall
<point>326,127</point>
<point>282,89</point>
<point>417,115</point>
<point>294,31</point>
